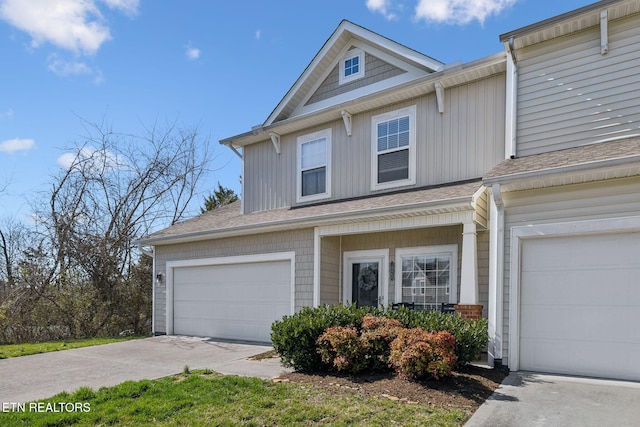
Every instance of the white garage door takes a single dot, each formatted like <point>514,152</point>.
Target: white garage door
<point>231,301</point>
<point>580,305</point>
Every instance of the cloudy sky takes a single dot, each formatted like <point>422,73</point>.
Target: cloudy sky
<point>219,65</point>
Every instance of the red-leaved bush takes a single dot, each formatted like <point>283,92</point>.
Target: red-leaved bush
<point>377,334</point>
<point>416,353</point>
<point>341,347</point>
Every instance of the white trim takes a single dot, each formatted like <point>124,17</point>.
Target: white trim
<point>303,139</point>
<point>525,232</point>
<point>373,255</point>
<point>511,106</point>
<point>496,274</point>
<point>317,241</point>
<point>351,54</point>
<point>375,120</point>
<point>241,259</point>
<point>451,250</point>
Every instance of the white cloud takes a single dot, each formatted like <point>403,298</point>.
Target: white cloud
<point>382,7</point>
<point>7,114</point>
<point>258,34</point>
<point>459,11</point>
<point>192,53</point>
<point>90,159</point>
<point>17,144</point>
<point>75,25</point>
<point>67,68</point>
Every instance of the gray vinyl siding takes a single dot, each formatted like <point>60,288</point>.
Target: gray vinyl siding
<point>330,268</point>
<point>607,199</point>
<point>375,70</point>
<point>463,142</point>
<point>569,94</point>
<point>300,241</point>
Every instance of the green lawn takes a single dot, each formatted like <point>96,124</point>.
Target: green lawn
<point>204,398</point>
<point>15,350</point>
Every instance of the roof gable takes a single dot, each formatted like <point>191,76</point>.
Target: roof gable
<point>404,64</point>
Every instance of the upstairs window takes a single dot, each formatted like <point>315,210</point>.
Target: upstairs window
<point>393,148</point>
<point>351,66</point>
<point>314,178</point>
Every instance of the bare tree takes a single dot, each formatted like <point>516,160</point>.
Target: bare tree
<point>114,188</point>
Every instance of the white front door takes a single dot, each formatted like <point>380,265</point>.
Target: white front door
<point>365,278</point>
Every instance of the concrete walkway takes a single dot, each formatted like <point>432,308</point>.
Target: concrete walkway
<point>527,399</point>
<point>40,376</point>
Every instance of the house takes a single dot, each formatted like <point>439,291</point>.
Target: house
<point>508,186</point>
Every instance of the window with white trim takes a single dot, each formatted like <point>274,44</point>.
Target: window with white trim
<point>427,276</point>
<point>314,171</point>
<point>351,66</point>
<point>393,149</point>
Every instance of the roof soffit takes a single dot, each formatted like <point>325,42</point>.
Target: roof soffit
<point>571,22</point>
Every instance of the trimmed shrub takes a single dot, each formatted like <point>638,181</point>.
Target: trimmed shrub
<point>416,353</point>
<point>342,348</point>
<point>294,337</point>
<point>471,336</point>
<point>377,334</point>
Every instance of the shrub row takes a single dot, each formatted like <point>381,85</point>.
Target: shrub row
<point>295,337</point>
<point>383,343</point>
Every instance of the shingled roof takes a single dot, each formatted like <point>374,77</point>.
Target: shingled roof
<point>228,220</point>
<point>585,157</point>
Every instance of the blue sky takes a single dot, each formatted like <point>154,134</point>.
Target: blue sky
<point>219,65</point>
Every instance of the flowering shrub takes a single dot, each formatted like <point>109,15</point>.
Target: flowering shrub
<point>416,353</point>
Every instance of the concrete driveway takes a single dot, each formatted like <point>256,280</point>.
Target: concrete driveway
<point>527,399</point>
<point>39,376</point>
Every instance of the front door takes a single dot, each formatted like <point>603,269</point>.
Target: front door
<point>364,279</point>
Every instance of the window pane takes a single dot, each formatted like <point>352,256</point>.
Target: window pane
<point>393,141</point>
<point>424,281</point>
<point>314,181</point>
<point>383,129</point>
<point>382,143</point>
<point>403,124</point>
<point>393,127</point>
<point>313,153</point>
<point>403,139</point>
<point>393,166</point>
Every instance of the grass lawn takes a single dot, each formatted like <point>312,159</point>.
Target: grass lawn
<point>15,350</point>
<point>203,398</point>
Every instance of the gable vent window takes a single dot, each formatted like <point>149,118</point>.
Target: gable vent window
<point>313,180</point>
<point>393,160</point>
<point>351,66</point>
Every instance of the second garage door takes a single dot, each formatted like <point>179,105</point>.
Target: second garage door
<point>236,301</point>
<point>580,305</point>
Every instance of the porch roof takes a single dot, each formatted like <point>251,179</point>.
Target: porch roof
<point>228,221</point>
<point>604,160</point>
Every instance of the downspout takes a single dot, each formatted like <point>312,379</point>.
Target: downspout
<point>511,101</point>
<point>152,254</point>
<point>496,276</point>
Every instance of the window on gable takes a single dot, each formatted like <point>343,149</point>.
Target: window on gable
<point>351,66</point>
<point>393,148</point>
<point>314,152</point>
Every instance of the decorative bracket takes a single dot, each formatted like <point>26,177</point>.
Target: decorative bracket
<point>346,117</point>
<point>440,97</point>
<point>604,32</point>
<point>230,145</point>
<point>275,139</point>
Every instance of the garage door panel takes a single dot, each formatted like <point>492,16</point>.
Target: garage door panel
<point>231,301</point>
<point>580,305</point>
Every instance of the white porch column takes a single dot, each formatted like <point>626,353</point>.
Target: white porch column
<point>469,270</point>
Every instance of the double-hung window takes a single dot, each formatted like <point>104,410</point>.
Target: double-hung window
<point>314,171</point>
<point>393,161</point>
<point>427,276</point>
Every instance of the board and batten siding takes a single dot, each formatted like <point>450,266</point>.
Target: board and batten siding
<point>299,241</point>
<point>463,142</point>
<point>569,94</point>
<point>601,200</point>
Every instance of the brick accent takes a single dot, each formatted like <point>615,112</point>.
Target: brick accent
<point>469,311</point>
